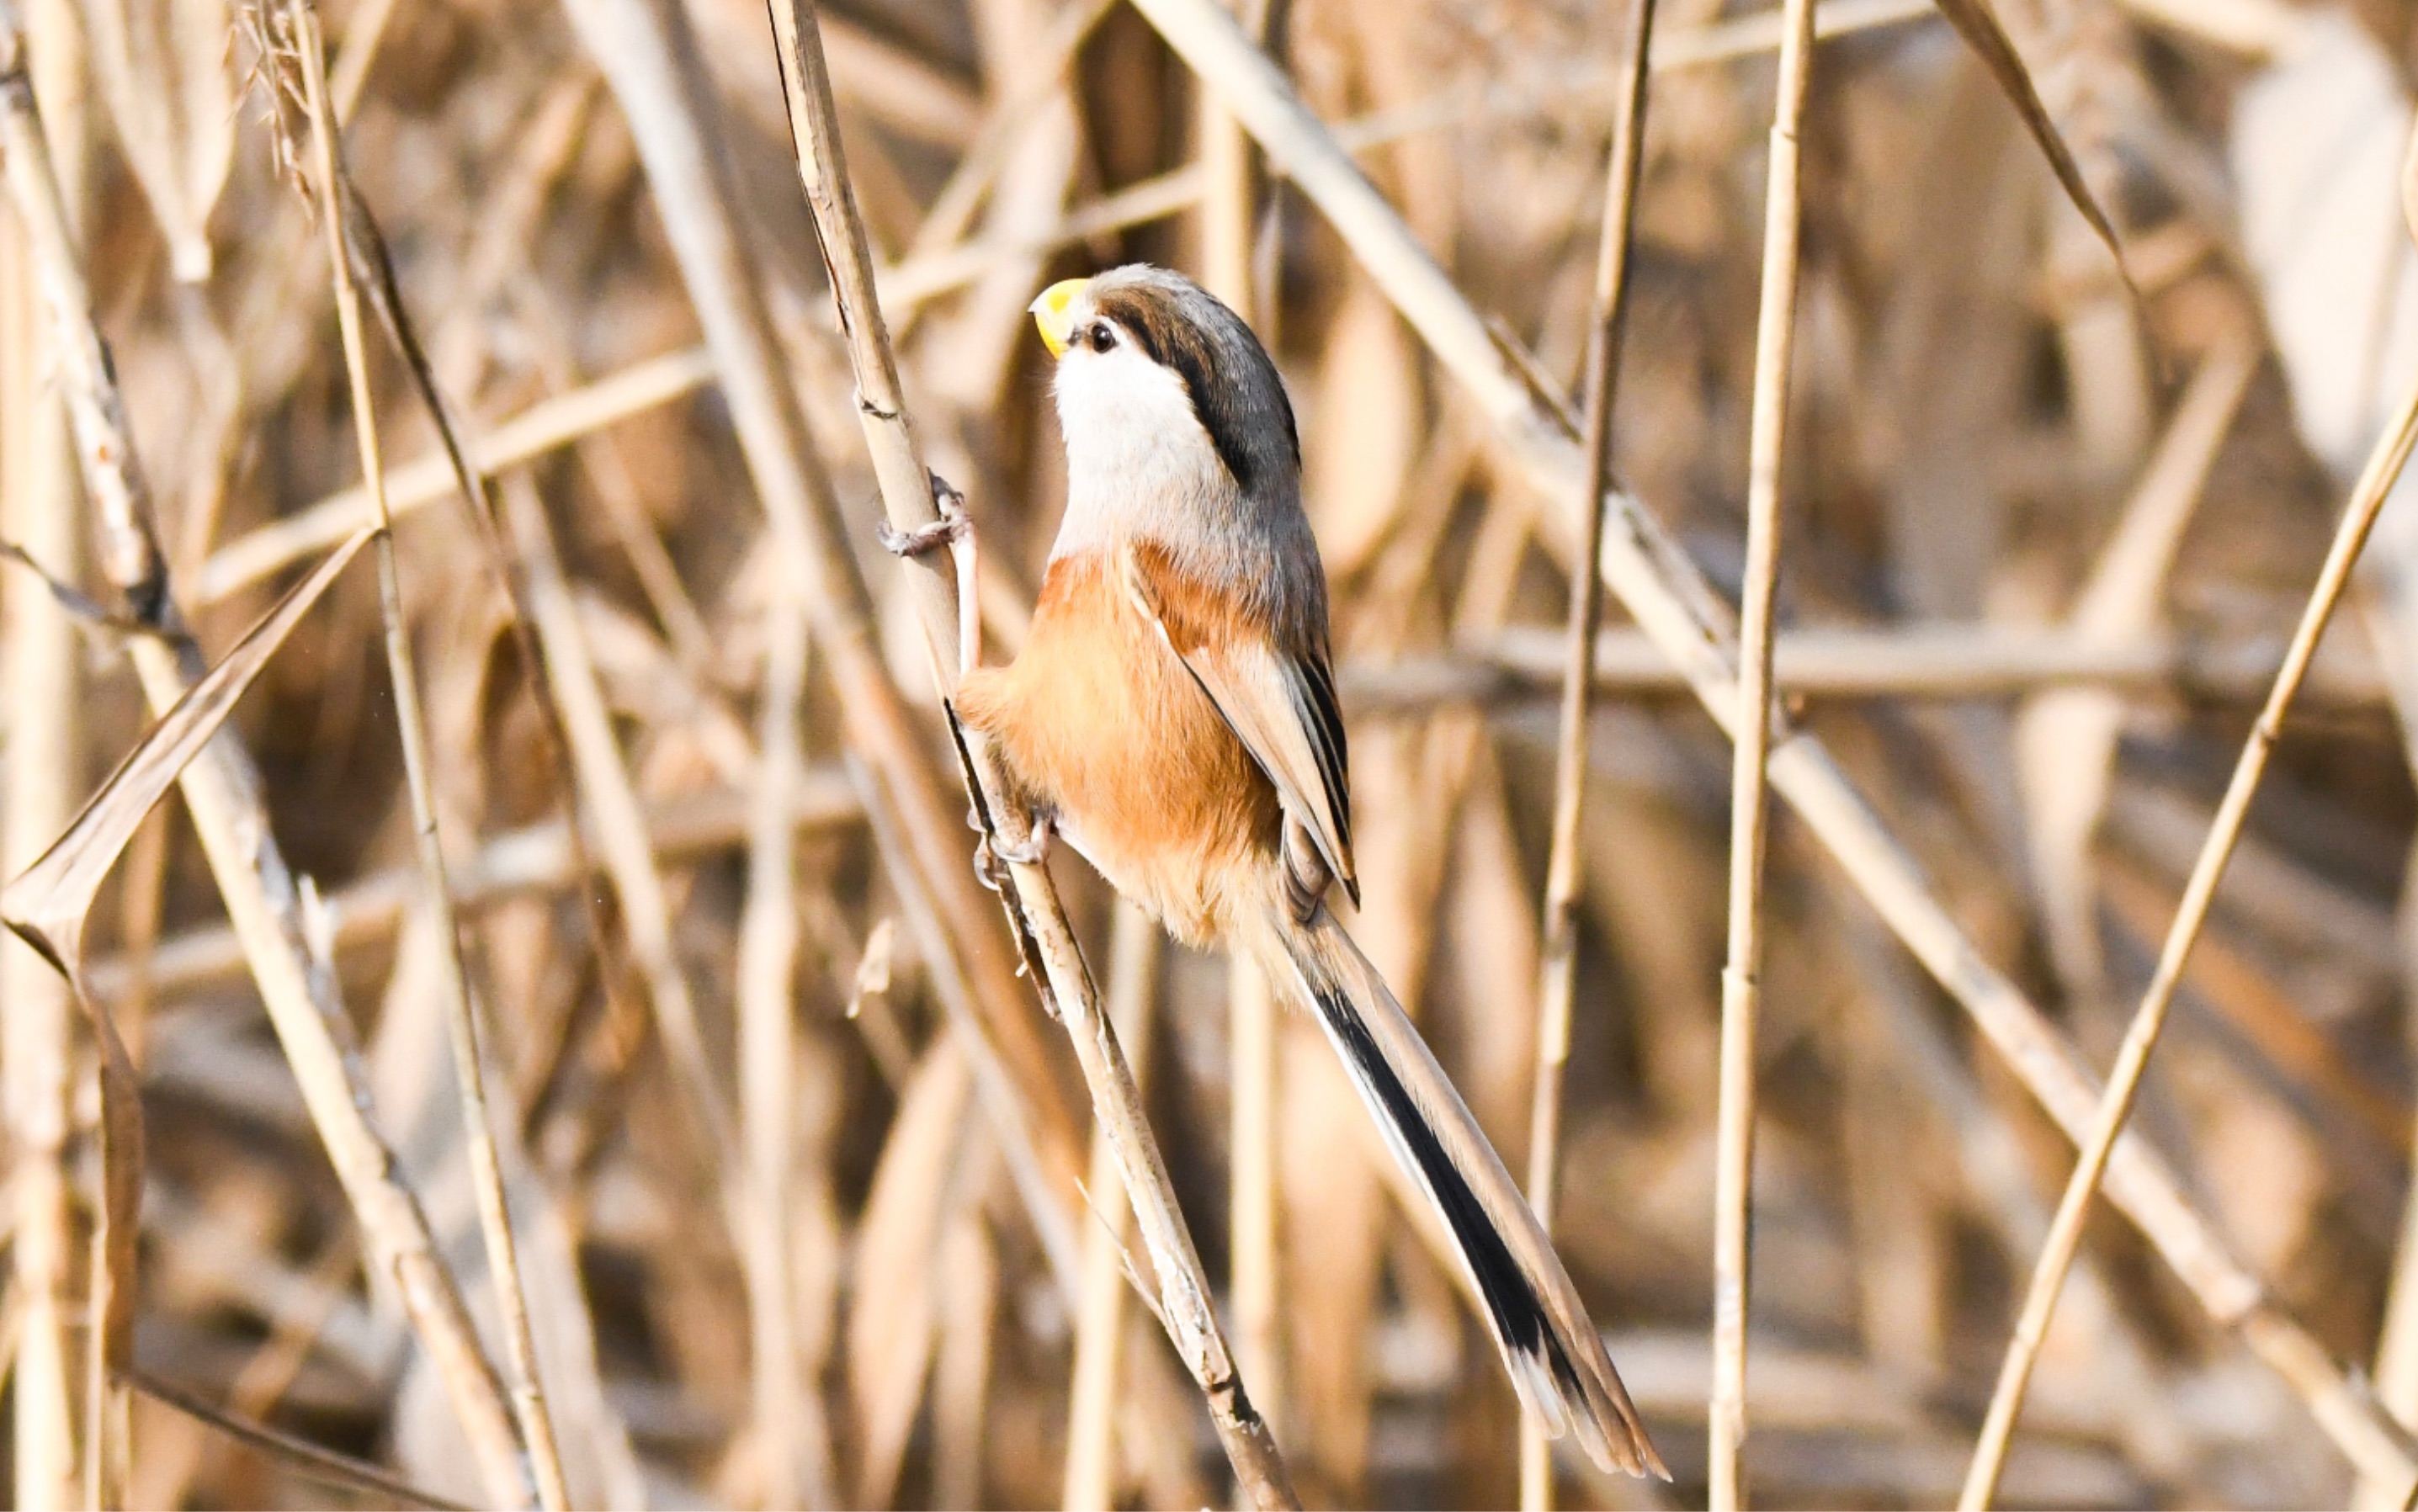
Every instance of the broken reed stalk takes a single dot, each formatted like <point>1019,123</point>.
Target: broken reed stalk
<point>1558,933</point>
<point>1669,597</point>
<point>1091,1398</point>
<point>41,666</point>
<point>1742,974</point>
<point>222,796</point>
<point>906,495</point>
<point>402,672</point>
<point>2384,464</point>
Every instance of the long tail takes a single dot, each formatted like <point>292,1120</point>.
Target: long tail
<point>1557,1361</point>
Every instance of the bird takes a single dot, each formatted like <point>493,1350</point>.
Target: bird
<point>1172,715</point>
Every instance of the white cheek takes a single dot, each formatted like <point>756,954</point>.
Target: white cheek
<point>1135,450</point>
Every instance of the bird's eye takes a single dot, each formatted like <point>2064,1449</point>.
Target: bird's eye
<point>1102,336</point>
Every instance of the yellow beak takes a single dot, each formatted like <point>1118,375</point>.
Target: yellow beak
<point>1050,312</point>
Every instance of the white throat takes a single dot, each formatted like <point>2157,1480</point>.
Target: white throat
<point>1137,455</point>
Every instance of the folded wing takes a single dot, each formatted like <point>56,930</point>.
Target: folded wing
<point>1278,701</point>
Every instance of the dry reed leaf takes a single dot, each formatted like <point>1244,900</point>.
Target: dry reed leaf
<point>1362,433</point>
<point>970,1283</point>
<point>163,67</point>
<point>1977,21</point>
<point>50,903</point>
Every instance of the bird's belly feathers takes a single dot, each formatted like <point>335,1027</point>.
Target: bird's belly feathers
<point>1102,722</point>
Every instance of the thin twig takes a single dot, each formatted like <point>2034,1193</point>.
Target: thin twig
<point>906,495</point>
<point>1942,660</point>
<point>486,1173</point>
<point>306,1458</point>
<point>1742,974</point>
<point>223,795</point>
<point>2141,1036</point>
<point>535,858</point>
<point>1558,934</point>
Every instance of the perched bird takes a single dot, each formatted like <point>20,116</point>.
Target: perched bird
<point>1172,715</point>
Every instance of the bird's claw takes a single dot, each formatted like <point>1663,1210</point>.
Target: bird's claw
<point>952,525</point>
<point>993,856</point>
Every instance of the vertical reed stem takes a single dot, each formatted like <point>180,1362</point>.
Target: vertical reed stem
<point>40,668</point>
<point>1733,1157</point>
<point>1557,973</point>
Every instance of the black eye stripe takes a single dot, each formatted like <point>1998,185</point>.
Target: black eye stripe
<point>1167,338</point>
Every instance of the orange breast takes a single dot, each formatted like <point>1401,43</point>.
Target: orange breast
<point>1101,722</point>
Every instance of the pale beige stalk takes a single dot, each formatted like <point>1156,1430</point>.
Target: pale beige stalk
<point>402,672</point>
<point>1775,343</point>
<point>1558,935</point>
<point>1229,222</point>
<point>649,59</point>
<point>793,1439</point>
<point>41,666</point>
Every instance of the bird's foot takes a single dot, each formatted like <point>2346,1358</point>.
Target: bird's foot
<point>955,532</point>
<point>992,856</point>
<point>953,527</point>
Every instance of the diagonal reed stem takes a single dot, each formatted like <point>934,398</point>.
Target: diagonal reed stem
<point>2141,1036</point>
<point>1741,976</point>
<point>486,1172</point>
<point>1557,972</point>
<point>906,493</point>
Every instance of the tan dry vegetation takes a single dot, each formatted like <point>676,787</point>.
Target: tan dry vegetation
<point>800,1182</point>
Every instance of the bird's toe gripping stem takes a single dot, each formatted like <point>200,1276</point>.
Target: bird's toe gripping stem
<point>993,857</point>
<point>954,526</point>
<point>954,530</point>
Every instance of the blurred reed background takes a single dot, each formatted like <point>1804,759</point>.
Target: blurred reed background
<point>799,1180</point>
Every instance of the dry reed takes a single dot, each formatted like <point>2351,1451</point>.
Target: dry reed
<point>797,1171</point>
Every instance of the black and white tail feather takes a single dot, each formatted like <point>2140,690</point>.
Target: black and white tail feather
<point>1556,1360</point>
